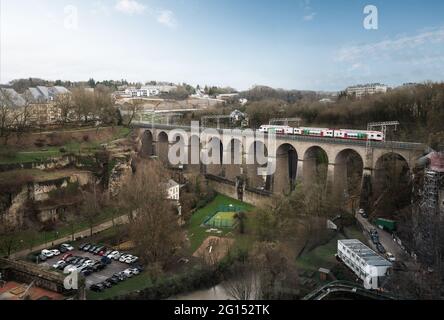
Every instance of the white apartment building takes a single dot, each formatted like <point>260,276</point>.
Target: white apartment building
<point>367,89</point>
<point>173,190</point>
<point>363,261</point>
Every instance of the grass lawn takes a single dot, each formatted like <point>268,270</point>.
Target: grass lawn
<point>196,231</point>
<point>41,154</point>
<point>24,239</point>
<point>324,256</point>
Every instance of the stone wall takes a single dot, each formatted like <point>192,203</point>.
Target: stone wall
<point>230,190</point>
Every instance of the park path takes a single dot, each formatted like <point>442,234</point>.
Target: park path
<point>80,234</point>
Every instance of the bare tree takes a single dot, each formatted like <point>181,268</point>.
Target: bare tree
<point>154,226</point>
<point>241,282</point>
<point>7,115</point>
<point>65,103</point>
<point>133,108</point>
<point>8,237</point>
<point>91,206</point>
<point>84,104</point>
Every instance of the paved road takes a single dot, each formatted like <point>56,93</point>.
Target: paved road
<point>81,234</point>
<point>385,238</point>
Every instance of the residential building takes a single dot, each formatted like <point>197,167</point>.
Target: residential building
<point>363,261</point>
<point>227,96</point>
<point>16,100</point>
<point>360,91</point>
<point>42,109</point>
<point>173,190</point>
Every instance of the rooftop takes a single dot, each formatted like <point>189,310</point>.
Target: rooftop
<point>364,252</point>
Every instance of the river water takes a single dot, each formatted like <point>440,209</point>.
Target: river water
<point>216,293</point>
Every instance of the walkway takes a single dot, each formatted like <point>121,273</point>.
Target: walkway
<point>80,234</point>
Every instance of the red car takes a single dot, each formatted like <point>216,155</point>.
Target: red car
<point>66,256</point>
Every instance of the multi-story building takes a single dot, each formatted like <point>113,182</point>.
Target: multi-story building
<point>173,189</point>
<point>363,261</point>
<point>360,91</point>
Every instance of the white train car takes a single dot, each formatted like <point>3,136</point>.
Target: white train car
<point>276,129</point>
<point>351,134</point>
<point>317,132</point>
<point>348,134</point>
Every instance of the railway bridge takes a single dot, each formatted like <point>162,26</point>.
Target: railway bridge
<point>344,165</point>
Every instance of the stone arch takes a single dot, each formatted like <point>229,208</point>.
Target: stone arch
<point>348,173</point>
<point>315,167</point>
<point>284,180</point>
<point>194,152</point>
<point>162,146</point>
<point>215,145</point>
<point>147,149</point>
<point>234,154</point>
<point>391,180</point>
<point>257,150</point>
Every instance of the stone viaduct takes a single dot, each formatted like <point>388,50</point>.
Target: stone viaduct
<point>298,158</point>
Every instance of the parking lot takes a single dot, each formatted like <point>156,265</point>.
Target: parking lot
<point>109,268</point>
<point>97,277</point>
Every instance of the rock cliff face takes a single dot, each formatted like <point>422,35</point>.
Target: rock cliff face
<point>38,192</point>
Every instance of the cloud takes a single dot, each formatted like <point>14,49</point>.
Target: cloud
<point>309,17</point>
<point>98,7</point>
<point>167,18</point>
<point>130,7</point>
<point>400,47</point>
<point>309,14</point>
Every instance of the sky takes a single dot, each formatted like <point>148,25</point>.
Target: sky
<point>290,44</point>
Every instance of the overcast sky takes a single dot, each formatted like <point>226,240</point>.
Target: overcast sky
<point>293,44</point>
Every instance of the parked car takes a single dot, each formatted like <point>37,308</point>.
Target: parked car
<point>390,257</point>
<point>107,284</point>
<point>117,255</point>
<point>70,259</point>
<point>92,248</point>
<point>135,271</point>
<point>132,260</point>
<point>40,258</point>
<point>113,254</point>
<point>59,264</point>
<point>106,260</point>
<point>83,245</point>
<point>120,276</point>
<point>97,287</point>
<point>128,273</point>
<point>47,253</point>
<point>98,266</point>
<point>380,248</point>
<point>89,263</point>
<point>98,249</point>
<point>67,246</point>
<point>124,257</point>
<point>105,253</point>
<point>114,280</point>
<point>62,249</point>
<point>55,252</point>
<point>87,271</point>
<point>123,275</point>
<point>66,256</point>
